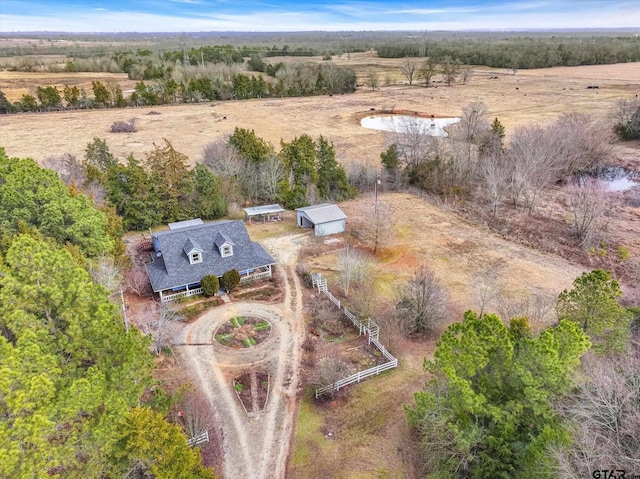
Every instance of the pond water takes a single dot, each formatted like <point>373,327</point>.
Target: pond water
<point>614,178</point>
<point>408,124</point>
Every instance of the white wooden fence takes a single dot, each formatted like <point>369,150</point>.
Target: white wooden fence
<point>368,327</point>
<point>199,439</point>
<point>183,294</point>
<point>253,277</point>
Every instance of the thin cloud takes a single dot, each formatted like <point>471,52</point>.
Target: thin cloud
<point>205,15</point>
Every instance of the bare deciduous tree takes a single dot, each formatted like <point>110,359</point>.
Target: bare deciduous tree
<point>194,413</point>
<point>623,110</point>
<point>412,139</point>
<point>487,286</point>
<point>534,165</point>
<point>330,370</point>
<point>605,418</point>
<point>164,314</point>
<point>473,121</point>
<point>538,307</point>
<point>409,69</point>
<point>493,176</point>
<point>591,210</point>
<point>373,81</point>
<point>581,143</point>
<point>106,273</point>
<point>423,304</point>
<point>70,170</point>
<point>450,69</point>
<point>353,265</point>
<point>270,173</point>
<point>379,225</point>
<point>222,158</point>
<point>428,70</point>
<point>137,281</point>
<point>466,75</point>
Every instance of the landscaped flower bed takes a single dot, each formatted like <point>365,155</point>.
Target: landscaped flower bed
<point>243,332</point>
<point>252,389</point>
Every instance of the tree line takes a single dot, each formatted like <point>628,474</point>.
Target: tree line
<point>521,52</point>
<point>77,395</point>
<point>163,188</point>
<point>303,172</point>
<point>475,162</point>
<point>287,81</point>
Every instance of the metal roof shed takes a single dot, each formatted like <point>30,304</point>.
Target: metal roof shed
<point>264,213</point>
<point>325,219</point>
<point>185,224</point>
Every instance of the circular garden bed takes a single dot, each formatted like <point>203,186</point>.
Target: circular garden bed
<point>243,332</point>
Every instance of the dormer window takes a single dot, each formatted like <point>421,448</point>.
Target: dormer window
<point>193,251</point>
<point>224,244</point>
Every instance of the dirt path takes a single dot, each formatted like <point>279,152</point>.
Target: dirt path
<point>255,446</point>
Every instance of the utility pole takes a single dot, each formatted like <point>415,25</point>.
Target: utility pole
<point>124,312</point>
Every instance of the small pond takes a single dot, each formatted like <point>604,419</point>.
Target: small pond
<point>614,178</point>
<point>409,124</point>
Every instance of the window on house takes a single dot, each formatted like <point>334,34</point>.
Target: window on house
<point>226,250</point>
<point>196,257</point>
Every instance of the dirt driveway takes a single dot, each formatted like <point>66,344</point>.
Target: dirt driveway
<point>255,446</point>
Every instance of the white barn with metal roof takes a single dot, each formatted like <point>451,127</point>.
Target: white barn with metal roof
<point>325,219</point>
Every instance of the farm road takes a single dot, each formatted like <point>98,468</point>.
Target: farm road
<point>255,446</point>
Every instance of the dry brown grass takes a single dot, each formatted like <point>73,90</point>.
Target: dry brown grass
<point>458,253</point>
<point>541,95</point>
<point>369,436</point>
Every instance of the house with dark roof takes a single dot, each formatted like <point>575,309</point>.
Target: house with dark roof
<point>325,219</point>
<point>188,252</point>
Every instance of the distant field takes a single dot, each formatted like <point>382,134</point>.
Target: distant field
<point>529,95</point>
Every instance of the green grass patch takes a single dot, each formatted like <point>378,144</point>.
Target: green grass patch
<point>260,231</point>
<point>309,437</point>
<point>190,312</point>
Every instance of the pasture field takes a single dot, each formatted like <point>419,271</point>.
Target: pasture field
<point>527,96</point>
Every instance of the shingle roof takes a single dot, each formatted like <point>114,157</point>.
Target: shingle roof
<point>190,245</point>
<point>172,269</point>
<point>322,213</point>
<point>221,239</point>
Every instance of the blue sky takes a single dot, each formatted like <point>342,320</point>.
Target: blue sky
<point>278,15</point>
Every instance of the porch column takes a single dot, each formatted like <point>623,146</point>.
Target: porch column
<point>269,271</point>
<point>161,297</point>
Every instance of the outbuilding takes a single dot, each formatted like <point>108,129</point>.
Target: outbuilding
<point>325,219</point>
<point>263,213</point>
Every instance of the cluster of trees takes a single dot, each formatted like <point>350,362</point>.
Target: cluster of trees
<point>521,52</point>
<point>449,68</point>
<point>75,381</point>
<point>503,401</point>
<point>303,172</point>
<point>626,115</point>
<point>160,189</point>
<point>288,80</point>
<point>476,162</point>
<point>33,198</point>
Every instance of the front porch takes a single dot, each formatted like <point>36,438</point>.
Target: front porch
<point>194,289</point>
<point>253,275</point>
